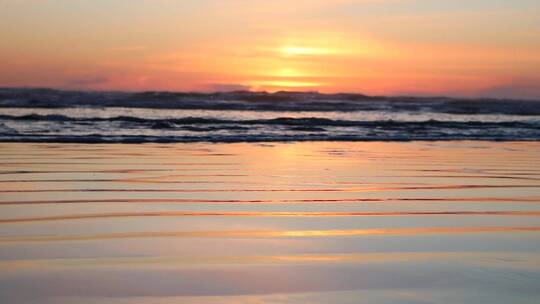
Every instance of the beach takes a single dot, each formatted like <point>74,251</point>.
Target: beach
<point>273,222</point>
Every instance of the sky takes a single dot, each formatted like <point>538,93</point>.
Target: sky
<point>379,47</point>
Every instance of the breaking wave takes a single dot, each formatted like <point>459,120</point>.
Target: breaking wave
<point>59,116</point>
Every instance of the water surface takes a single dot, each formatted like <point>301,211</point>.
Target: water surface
<point>312,222</point>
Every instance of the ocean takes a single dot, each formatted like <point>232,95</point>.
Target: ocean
<point>97,117</point>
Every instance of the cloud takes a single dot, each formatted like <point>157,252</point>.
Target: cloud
<point>87,81</point>
<point>516,89</point>
<point>224,87</point>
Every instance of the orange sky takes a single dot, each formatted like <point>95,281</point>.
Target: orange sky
<point>424,47</point>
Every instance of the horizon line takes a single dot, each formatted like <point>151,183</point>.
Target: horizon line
<point>419,96</point>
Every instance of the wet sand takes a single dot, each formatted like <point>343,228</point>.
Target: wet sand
<point>312,222</point>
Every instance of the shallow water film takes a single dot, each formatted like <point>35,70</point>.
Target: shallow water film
<point>311,222</point>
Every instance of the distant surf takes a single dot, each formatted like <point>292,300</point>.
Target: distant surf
<point>44,115</point>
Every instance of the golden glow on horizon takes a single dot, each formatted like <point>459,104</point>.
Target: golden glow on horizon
<point>276,85</point>
<point>288,72</point>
